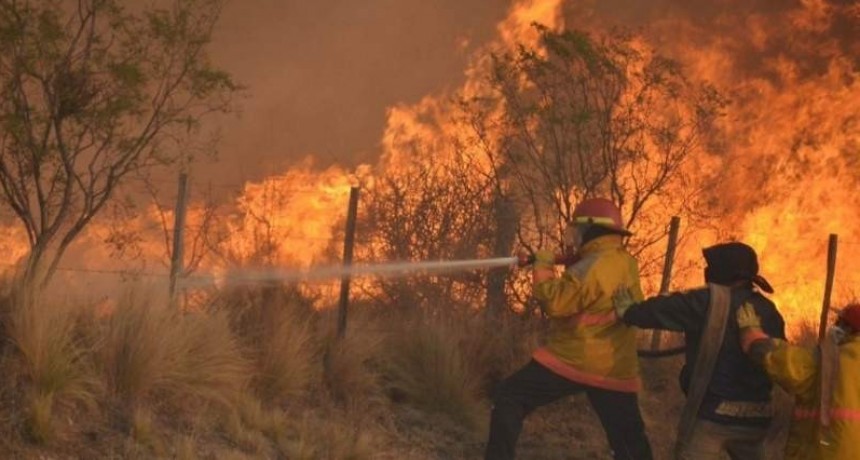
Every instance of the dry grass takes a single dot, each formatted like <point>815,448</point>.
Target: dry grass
<point>350,376</point>
<point>40,421</point>
<point>275,324</point>
<point>185,448</point>
<point>152,354</point>
<point>286,358</point>
<point>49,360</point>
<point>247,380</point>
<point>244,438</point>
<point>429,368</point>
<point>496,346</point>
<point>331,439</point>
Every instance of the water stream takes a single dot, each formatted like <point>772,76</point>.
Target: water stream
<point>389,270</point>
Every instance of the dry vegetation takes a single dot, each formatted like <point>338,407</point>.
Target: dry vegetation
<point>261,374</point>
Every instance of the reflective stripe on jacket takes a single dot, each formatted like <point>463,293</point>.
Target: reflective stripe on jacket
<point>738,386</point>
<point>586,341</point>
<point>796,369</point>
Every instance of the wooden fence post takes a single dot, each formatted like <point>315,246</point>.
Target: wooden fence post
<point>828,286</point>
<point>668,262</point>
<point>829,350</point>
<point>177,256</point>
<point>348,244</point>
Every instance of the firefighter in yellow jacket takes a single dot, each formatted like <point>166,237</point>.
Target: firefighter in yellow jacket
<point>587,349</point>
<point>815,434</point>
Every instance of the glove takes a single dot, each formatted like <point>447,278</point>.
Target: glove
<point>747,317</point>
<point>837,334</point>
<point>524,259</point>
<point>544,259</point>
<point>622,300</point>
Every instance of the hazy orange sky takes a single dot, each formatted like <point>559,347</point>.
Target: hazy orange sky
<point>320,74</point>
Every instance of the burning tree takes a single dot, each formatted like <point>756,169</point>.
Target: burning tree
<point>545,126</point>
<point>580,117</point>
<point>88,95</point>
<point>430,208</point>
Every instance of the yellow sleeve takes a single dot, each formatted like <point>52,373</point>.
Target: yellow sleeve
<point>634,284</point>
<point>560,297</point>
<point>792,367</point>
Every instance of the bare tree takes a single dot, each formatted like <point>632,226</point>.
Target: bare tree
<point>583,117</point>
<point>89,94</point>
<point>433,208</point>
<point>577,118</point>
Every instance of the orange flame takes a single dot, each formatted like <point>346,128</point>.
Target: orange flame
<point>781,173</point>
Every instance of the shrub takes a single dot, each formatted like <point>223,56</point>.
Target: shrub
<point>151,351</point>
<point>429,369</point>
<point>48,359</point>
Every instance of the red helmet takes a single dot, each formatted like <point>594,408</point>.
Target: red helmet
<point>601,212</point>
<point>850,315</point>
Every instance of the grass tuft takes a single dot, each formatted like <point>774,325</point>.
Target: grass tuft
<point>40,421</point>
<point>349,376</point>
<point>330,439</point>
<point>185,448</point>
<point>286,358</point>
<point>52,366</point>
<point>153,353</point>
<point>428,367</point>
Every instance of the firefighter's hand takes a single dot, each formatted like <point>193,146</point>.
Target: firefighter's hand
<point>622,300</point>
<point>524,259</point>
<point>544,259</point>
<point>747,317</point>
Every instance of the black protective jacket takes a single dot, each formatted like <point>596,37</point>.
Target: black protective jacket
<point>738,387</point>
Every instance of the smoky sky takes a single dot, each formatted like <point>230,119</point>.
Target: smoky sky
<point>320,74</point>
<point>834,32</point>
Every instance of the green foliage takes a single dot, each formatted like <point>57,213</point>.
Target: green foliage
<point>89,93</point>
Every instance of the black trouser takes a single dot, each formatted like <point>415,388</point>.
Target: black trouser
<point>534,386</point>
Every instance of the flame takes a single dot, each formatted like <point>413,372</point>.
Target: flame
<point>517,28</point>
<point>782,169</point>
<point>790,159</point>
<point>780,173</point>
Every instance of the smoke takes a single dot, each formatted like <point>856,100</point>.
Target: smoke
<point>320,75</point>
<point>754,31</point>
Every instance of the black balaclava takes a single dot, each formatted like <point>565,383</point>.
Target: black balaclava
<point>729,263</point>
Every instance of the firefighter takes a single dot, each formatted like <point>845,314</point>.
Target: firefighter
<point>836,435</point>
<point>735,412</point>
<point>587,349</point>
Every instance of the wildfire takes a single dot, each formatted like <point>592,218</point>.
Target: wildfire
<point>787,165</point>
<point>779,174</point>
<point>292,214</point>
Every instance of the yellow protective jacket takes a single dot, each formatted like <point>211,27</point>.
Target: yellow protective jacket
<point>796,369</point>
<point>587,343</point>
